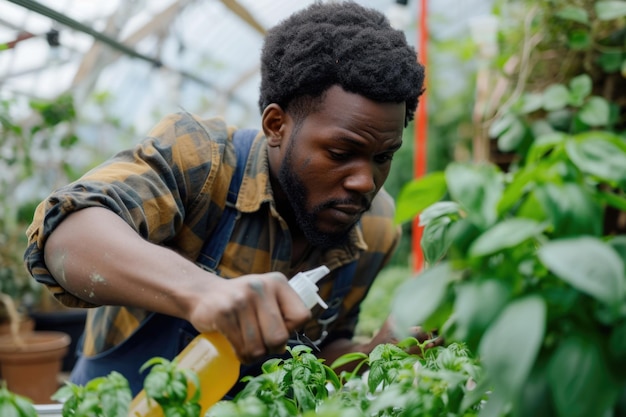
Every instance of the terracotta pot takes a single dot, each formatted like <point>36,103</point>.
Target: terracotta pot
<point>31,369</point>
<point>26,324</point>
<point>70,321</point>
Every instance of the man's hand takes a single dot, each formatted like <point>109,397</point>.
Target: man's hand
<point>256,313</point>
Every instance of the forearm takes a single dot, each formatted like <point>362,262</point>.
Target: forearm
<point>96,256</point>
<point>99,258</point>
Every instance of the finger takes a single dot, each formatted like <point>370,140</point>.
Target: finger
<point>264,325</point>
<point>242,331</point>
<point>239,324</point>
<point>292,309</point>
<point>272,327</point>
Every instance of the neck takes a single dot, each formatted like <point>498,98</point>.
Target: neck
<point>299,243</point>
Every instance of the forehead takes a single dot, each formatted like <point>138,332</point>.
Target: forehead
<point>356,113</point>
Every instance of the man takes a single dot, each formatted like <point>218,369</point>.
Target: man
<point>145,241</point>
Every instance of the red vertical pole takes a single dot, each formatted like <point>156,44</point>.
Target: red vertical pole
<point>421,132</point>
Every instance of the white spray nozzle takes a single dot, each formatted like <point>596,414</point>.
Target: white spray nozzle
<point>304,284</point>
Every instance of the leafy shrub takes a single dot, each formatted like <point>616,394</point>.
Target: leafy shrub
<point>438,382</point>
<point>527,258</point>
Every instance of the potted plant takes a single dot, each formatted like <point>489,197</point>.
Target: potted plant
<point>30,361</point>
<point>15,284</point>
<point>50,126</point>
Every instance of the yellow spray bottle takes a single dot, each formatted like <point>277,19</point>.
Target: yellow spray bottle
<point>213,359</point>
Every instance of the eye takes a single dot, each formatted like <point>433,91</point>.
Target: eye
<point>383,158</point>
<point>338,155</point>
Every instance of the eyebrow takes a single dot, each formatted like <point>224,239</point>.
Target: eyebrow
<point>359,144</point>
<point>395,147</point>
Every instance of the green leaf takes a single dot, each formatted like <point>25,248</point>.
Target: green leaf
<point>476,305</point>
<point>531,102</point>
<point>8,410</point>
<point>68,141</point>
<point>608,10</point>
<point>555,97</point>
<point>25,406</point>
<point>178,390</point>
<point>434,239</point>
<point>561,119</point>
<point>511,139</point>
<point>417,299</point>
<point>375,377</point>
<point>573,13</point>
<point>577,373</point>
<point>589,265</point>
<point>437,210</point>
<point>157,384</point>
<point>516,189</point>
<point>331,377</point>
<point>595,112</point>
<point>536,398</point>
<point>611,61</point>
<point>540,127</point>
<point>618,243</point>
<point>501,124</point>
<point>579,39</point>
<point>496,406</point>
<point>477,189</point>
<point>617,344</point>
<point>90,405</point>
<point>544,144</point>
<point>506,234</point>
<point>511,344</point>
<point>580,88</point>
<point>461,234</point>
<point>530,209</point>
<point>348,358</point>
<point>597,156</point>
<point>571,209</point>
<point>509,130</point>
<point>418,194</point>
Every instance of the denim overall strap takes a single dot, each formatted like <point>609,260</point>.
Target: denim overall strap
<point>213,248</point>
<point>158,334</point>
<point>341,287</point>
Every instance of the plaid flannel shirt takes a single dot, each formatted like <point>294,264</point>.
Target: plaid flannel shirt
<point>171,188</point>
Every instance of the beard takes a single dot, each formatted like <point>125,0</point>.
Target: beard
<point>306,220</point>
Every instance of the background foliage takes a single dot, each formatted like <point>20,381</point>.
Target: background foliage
<point>525,243</point>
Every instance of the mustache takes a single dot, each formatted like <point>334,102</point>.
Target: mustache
<point>361,201</point>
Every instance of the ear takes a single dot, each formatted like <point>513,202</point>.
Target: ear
<point>273,121</point>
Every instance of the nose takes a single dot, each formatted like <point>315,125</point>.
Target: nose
<point>361,179</point>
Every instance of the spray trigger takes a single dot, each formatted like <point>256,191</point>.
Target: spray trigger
<point>304,284</point>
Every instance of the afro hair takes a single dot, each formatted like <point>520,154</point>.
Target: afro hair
<point>341,44</point>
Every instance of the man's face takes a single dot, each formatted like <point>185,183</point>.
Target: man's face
<point>335,161</point>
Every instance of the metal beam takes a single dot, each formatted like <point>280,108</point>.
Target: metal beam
<point>74,24</point>
<point>245,15</point>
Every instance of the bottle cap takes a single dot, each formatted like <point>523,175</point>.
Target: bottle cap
<point>304,284</point>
